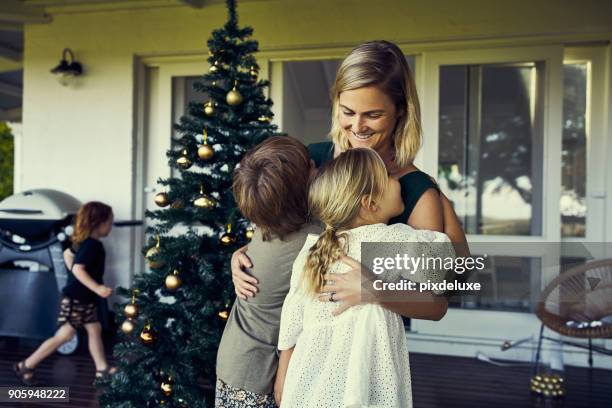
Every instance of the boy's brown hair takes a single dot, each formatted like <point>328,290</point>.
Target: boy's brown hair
<point>271,186</point>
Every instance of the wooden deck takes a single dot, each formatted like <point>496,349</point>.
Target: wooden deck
<point>437,381</point>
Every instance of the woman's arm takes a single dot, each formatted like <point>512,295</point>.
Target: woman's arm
<point>434,211</point>
<point>281,373</point>
<point>355,287</point>
<point>427,213</point>
<point>244,284</point>
<point>453,228</point>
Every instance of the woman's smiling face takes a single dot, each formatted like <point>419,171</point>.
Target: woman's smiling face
<point>367,117</point>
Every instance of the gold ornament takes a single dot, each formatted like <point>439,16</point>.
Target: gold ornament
<point>264,119</point>
<point>234,97</point>
<point>147,336</point>
<point>161,199</point>
<point>184,161</point>
<point>228,238</point>
<point>173,281</point>
<point>166,387</point>
<point>253,71</point>
<point>127,326</point>
<point>249,233</point>
<point>177,205</point>
<point>205,152</point>
<point>214,67</point>
<point>203,200</point>
<point>224,314</point>
<point>548,385</point>
<point>153,252</point>
<point>209,108</point>
<point>131,310</point>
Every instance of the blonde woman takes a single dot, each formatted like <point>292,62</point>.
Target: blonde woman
<point>359,359</point>
<point>375,105</point>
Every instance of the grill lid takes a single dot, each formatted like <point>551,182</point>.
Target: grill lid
<point>39,204</point>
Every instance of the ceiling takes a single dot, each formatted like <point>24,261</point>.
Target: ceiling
<point>14,14</point>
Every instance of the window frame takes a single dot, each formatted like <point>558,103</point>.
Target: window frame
<point>594,57</point>
<point>552,86</point>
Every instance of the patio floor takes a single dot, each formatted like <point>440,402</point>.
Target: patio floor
<point>437,381</point>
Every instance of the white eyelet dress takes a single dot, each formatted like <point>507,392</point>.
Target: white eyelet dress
<point>356,359</point>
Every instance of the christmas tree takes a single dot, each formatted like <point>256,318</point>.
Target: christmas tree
<point>172,324</point>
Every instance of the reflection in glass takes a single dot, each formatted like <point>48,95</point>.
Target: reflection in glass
<point>490,147</point>
<point>573,154</point>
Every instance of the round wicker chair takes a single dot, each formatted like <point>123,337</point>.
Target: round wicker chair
<point>578,303</point>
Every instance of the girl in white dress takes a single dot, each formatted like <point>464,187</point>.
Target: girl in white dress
<point>358,358</point>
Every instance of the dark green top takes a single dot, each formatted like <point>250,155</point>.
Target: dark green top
<point>413,185</point>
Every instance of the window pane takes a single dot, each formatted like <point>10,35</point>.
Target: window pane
<point>183,94</point>
<point>573,154</point>
<point>490,150</point>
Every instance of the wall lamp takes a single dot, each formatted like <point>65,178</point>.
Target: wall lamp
<point>68,68</point>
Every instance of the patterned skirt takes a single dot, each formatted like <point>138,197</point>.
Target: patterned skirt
<point>227,396</point>
<point>76,313</point>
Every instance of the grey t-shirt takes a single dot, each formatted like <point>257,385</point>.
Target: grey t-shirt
<point>247,356</point>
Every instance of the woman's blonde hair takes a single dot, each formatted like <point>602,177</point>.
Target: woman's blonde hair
<point>381,64</point>
<point>335,198</point>
<point>89,217</point>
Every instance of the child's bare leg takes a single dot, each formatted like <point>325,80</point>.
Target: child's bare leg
<point>63,334</point>
<point>96,346</point>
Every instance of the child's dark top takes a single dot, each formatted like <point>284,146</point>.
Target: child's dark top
<point>91,254</point>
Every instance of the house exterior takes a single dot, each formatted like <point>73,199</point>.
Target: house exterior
<point>534,73</point>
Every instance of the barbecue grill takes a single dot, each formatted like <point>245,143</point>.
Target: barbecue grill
<point>34,227</point>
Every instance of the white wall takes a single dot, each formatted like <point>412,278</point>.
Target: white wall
<point>81,140</point>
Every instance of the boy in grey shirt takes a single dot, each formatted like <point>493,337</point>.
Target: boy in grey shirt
<point>271,189</point>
